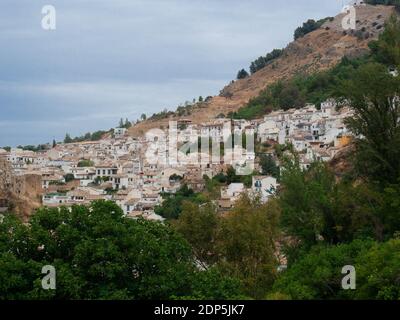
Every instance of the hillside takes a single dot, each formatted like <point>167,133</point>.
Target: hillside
<point>316,51</point>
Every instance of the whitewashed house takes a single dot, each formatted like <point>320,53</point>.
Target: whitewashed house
<point>119,132</point>
<point>264,186</point>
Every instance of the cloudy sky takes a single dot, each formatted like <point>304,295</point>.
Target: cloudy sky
<point>121,58</point>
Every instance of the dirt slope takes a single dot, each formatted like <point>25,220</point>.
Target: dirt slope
<point>317,51</point>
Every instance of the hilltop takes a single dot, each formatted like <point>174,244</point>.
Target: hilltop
<point>318,50</point>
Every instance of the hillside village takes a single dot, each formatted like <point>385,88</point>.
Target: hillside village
<point>117,169</point>
<point>272,190</point>
<point>319,50</point>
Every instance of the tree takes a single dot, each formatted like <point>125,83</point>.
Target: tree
<point>85,163</point>
<point>242,74</point>
<point>67,138</point>
<point>171,207</point>
<point>246,244</point>
<point>387,49</point>
<point>318,209</point>
<point>301,217</point>
<point>175,177</point>
<point>54,143</point>
<point>373,94</point>
<point>127,124</point>
<point>384,2</point>
<point>268,166</point>
<point>143,117</point>
<point>308,27</point>
<point>121,123</point>
<point>69,177</point>
<point>99,254</point>
<point>317,275</point>
<point>378,272</point>
<point>198,224</point>
<point>261,62</point>
<point>215,285</point>
<point>97,135</point>
<point>231,176</point>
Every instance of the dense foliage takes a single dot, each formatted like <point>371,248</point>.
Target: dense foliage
<point>309,26</point>
<point>95,136</point>
<point>384,2</point>
<point>99,254</point>
<point>242,74</point>
<point>263,61</point>
<point>241,244</point>
<point>85,163</point>
<point>300,90</point>
<point>325,223</point>
<point>317,274</point>
<point>171,207</point>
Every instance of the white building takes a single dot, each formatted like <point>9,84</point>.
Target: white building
<point>264,186</point>
<point>119,132</point>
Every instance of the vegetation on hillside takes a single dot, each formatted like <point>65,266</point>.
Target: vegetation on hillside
<point>319,222</point>
<point>326,223</point>
<point>309,26</point>
<point>85,163</point>
<point>263,61</point>
<point>316,88</point>
<point>242,74</point>
<point>99,254</point>
<point>95,136</point>
<point>384,2</point>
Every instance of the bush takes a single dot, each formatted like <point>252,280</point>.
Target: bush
<point>261,62</point>
<point>85,163</point>
<point>308,27</point>
<point>242,74</point>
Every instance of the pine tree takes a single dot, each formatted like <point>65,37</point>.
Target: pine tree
<point>68,138</point>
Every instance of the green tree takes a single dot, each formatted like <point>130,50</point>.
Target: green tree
<point>317,275</point>
<point>387,49</point>
<point>246,244</point>
<point>198,224</point>
<point>215,285</point>
<point>85,163</point>
<point>242,74</point>
<point>69,177</point>
<point>373,95</point>
<point>261,62</point>
<point>67,138</point>
<point>98,254</point>
<point>309,26</point>
<point>268,166</point>
<point>171,207</point>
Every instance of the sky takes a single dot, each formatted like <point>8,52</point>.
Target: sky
<point>108,60</point>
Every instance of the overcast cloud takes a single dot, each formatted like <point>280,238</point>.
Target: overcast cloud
<point>121,58</point>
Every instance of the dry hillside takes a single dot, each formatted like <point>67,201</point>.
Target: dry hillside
<point>317,51</point>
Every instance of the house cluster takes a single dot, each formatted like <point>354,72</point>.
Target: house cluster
<point>118,168</point>
<point>316,134</point>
